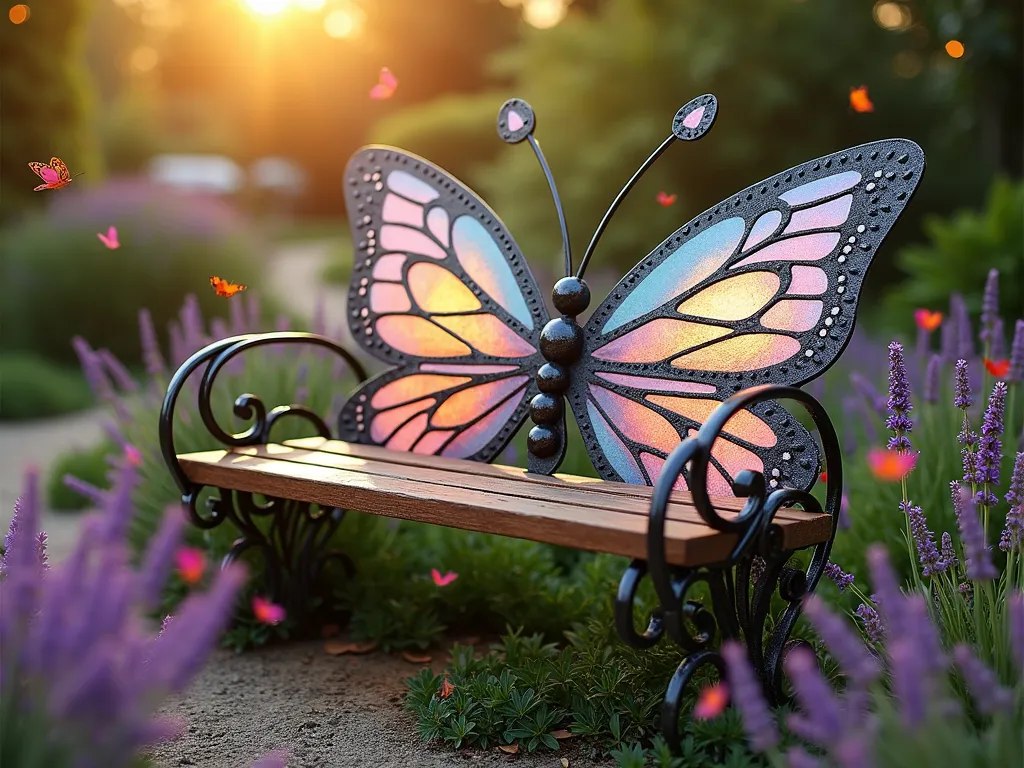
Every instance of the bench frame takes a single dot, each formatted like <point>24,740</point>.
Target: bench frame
<point>741,586</point>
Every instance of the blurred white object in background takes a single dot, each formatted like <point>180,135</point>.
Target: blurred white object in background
<point>278,174</point>
<point>215,174</point>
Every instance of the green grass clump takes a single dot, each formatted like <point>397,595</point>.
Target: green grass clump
<point>32,387</point>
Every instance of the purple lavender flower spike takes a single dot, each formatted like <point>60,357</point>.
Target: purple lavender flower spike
<point>150,346</point>
<point>121,376</point>
<point>932,379</point>
<point>921,349</point>
<point>319,324</point>
<point>838,575</point>
<point>925,635</point>
<point>159,559</point>
<point>997,344</point>
<point>192,324</point>
<point>857,663</point>
<point>888,596</point>
<point>990,447</point>
<point>989,306</point>
<point>219,329</point>
<point>844,512</point>
<point>949,558</point>
<point>908,682</point>
<point>1013,532</point>
<point>947,340</point>
<point>1016,372</point>
<point>976,554</point>
<point>820,719</point>
<point>988,694</point>
<point>92,367</point>
<point>924,541</point>
<point>746,693</point>
<point>898,405</point>
<point>872,397</point>
<point>963,397</point>
<point>282,323</point>
<point>965,334</point>
<point>1015,617</point>
<point>179,350</point>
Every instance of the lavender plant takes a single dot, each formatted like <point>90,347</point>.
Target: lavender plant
<point>902,697</point>
<point>82,674</point>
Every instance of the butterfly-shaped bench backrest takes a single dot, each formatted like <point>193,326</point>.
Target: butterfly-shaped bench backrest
<point>762,287</point>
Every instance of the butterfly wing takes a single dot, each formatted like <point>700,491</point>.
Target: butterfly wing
<point>61,170</point>
<point>441,291</point>
<point>762,288</point>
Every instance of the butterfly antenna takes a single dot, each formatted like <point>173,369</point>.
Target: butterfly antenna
<point>690,123</point>
<point>516,122</point>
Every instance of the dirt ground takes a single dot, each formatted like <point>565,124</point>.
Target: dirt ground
<point>328,711</point>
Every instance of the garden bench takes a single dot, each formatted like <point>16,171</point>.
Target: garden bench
<point>738,548</point>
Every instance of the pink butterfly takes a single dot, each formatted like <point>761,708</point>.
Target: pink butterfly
<point>266,611</point>
<point>110,239</point>
<point>385,88</point>
<point>443,581</point>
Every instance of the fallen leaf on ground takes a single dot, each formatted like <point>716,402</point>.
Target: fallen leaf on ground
<point>510,749</point>
<point>565,762</point>
<point>329,630</point>
<point>338,647</point>
<point>417,658</point>
<point>562,734</point>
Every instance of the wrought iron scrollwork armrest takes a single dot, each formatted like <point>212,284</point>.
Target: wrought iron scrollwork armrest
<point>247,406</point>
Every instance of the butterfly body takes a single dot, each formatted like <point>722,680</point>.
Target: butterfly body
<point>761,288</point>
<point>54,174</point>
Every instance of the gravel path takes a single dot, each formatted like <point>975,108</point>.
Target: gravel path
<point>327,711</point>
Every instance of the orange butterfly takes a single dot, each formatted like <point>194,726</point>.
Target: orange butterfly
<point>860,101</point>
<point>665,199</point>
<point>224,288</point>
<point>55,175</point>
<point>998,368</point>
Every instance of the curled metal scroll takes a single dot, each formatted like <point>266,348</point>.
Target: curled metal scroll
<point>247,406</point>
<point>677,686</point>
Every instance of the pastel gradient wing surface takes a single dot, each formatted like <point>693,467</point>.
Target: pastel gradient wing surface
<point>438,281</point>
<point>762,288</point>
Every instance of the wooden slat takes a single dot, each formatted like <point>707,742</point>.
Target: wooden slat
<point>511,504</point>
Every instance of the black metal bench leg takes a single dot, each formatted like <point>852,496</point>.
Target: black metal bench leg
<point>742,586</point>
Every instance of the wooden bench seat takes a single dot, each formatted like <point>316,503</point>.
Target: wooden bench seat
<point>568,510</point>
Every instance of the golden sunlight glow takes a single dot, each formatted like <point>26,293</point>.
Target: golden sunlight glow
<point>544,14</point>
<point>511,3</point>
<point>267,7</point>
<point>144,58</point>
<point>342,23</point>
<point>311,5</point>
<point>892,16</point>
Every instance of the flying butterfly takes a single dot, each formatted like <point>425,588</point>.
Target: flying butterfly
<point>54,175</point>
<point>761,288</point>
<point>224,288</point>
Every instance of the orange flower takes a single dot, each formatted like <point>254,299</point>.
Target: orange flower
<point>927,320</point>
<point>191,564</point>
<point>998,368</point>
<point>446,689</point>
<point>712,702</point>
<point>860,101</point>
<point>890,466</point>
<point>266,611</point>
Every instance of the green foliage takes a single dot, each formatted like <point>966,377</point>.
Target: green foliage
<point>47,99</point>
<point>34,388</point>
<point>605,86</point>
<point>57,280</point>
<point>89,464</point>
<point>958,255</point>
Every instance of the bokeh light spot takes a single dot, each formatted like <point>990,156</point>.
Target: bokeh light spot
<point>339,24</point>
<point>907,64</point>
<point>311,5</point>
<point>544,14</point>
<point>19,13</point>
<point>144,58</point>
<point>267,7</point>
<point>892,16</point>
<point>955,48</point>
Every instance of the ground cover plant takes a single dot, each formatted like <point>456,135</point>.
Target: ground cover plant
<point>85,667</point>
